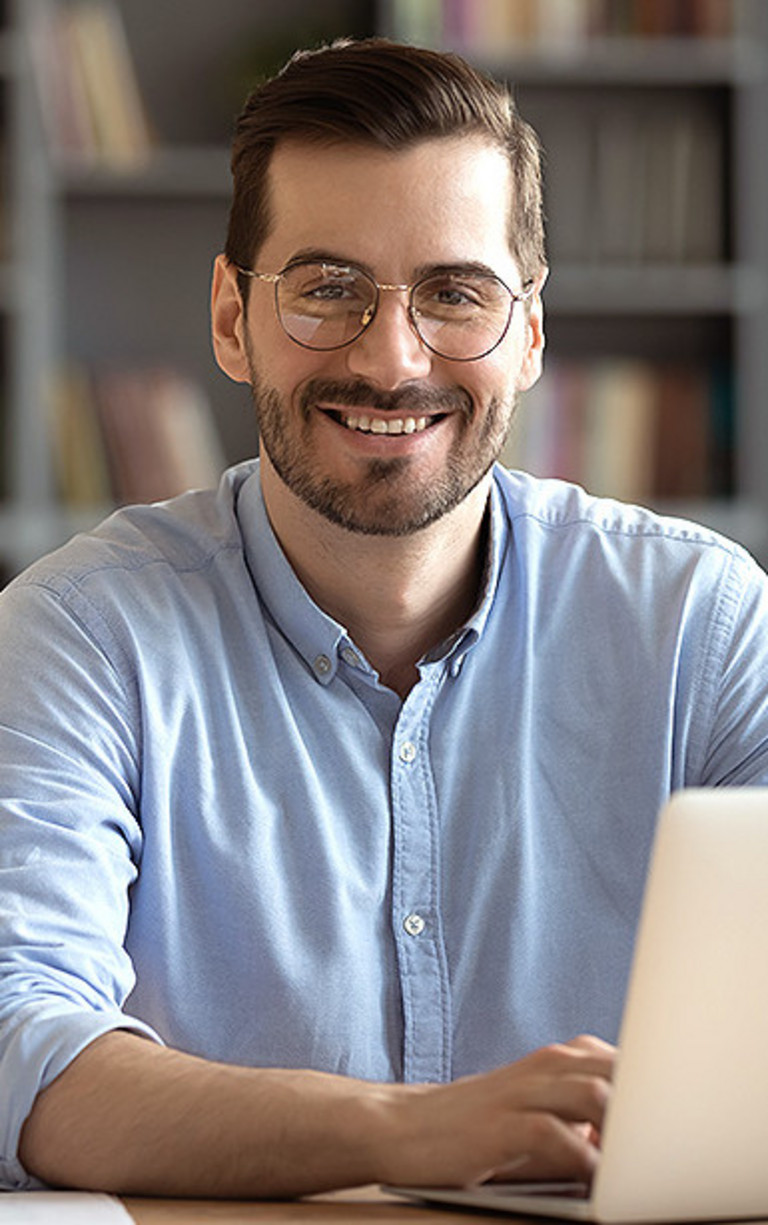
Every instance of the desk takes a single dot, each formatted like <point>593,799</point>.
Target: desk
<point>365,1204</point>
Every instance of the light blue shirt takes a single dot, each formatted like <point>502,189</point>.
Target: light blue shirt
<point>218,828</point>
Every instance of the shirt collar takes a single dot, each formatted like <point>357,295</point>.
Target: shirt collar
<point>497,540</point>
<point>317,637</point>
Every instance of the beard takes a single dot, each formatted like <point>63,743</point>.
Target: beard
<point>389,499</point>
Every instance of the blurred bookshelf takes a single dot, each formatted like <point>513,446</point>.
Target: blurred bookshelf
<point>114,204</point>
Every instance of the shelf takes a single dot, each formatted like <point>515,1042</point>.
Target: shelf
<point>185,172</point>
<point>589,289</point>
<point>653,62</point>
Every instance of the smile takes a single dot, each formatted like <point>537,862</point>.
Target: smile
<point>385,425</point>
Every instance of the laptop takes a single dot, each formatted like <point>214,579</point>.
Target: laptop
<point>686,1132</point>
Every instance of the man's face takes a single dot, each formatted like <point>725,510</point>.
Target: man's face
<point>322,414</point>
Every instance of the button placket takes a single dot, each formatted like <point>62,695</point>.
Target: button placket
<point>415,888</point>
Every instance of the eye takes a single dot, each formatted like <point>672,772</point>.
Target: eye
<point>331,286</point>
<point>324,285</point>
<point>453,296</point>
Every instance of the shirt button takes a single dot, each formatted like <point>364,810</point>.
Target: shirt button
<point>322,665</point>
<point>414,924</point>
<point>407,751</point>
<point>351,657</point>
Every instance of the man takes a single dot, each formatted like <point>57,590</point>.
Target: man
<point>327,798</point>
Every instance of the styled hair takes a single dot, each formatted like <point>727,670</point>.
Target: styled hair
<point>391,95</point>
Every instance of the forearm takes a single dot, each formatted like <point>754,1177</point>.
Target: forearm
<point>128,1116</point>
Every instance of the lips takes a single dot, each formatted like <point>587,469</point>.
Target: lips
<point>362,407</point>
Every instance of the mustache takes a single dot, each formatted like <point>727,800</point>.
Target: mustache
<point>410,401</point>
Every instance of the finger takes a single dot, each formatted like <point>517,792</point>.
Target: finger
<point>553,1150</point>
<point>593,1045</point>
<point>583,1055</point>
<point>575,1098</point>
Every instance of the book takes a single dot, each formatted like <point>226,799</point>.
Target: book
<point>79,458</point>
<point>159,434</point>
<point>634,180</point>
<point>492,28</point>
<point>681,466</point>
<point>130,435</point>
<point>639,431</point>
<point>64,108</point>
<point>620,430</point>
<point>102,60</point>
<point>418,21</point>
<point>91,104</point>
<point>569,173</point>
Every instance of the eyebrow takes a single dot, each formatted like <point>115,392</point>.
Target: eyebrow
<point>456,267</point>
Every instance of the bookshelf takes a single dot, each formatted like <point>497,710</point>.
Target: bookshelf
<point>107,265</point>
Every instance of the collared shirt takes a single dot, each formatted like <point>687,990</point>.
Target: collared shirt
<point>217,827</point>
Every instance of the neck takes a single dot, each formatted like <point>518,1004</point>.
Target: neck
<point>397,597</point>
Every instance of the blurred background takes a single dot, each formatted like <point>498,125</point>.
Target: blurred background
<point>116,116</point>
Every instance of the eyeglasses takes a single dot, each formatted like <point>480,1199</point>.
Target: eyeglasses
<point>461,314</point>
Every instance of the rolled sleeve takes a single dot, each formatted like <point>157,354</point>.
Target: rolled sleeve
<point>70,845</point>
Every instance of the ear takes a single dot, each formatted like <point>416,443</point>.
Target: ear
<point>534,337</point>
<point>228,322</point>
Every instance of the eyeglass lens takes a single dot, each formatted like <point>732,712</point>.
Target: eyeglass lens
<point>460,315</point>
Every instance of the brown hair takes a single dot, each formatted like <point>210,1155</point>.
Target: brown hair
<point>389,94</point>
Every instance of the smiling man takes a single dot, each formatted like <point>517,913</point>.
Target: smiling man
<point>326,798</point>
<point>385,431</point>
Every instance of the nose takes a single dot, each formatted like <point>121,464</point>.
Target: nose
<point>389,352</point>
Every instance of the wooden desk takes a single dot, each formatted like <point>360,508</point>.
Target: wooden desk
<point>365,1204</point>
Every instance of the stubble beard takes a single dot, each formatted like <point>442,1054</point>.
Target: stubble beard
<point>387,500</point>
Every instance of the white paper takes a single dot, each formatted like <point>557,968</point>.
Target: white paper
<point>61,1208</point>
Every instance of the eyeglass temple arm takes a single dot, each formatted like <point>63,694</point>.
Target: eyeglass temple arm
<point>272,277</point>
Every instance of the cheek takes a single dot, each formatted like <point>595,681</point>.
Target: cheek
<point>497,380</point>
<point>274,359</point>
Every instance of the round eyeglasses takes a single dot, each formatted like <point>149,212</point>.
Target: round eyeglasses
<point>458,313</point>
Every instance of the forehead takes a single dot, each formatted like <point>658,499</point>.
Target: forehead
<point>437,201</point>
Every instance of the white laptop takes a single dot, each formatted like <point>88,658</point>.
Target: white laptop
<point>686,1133</point>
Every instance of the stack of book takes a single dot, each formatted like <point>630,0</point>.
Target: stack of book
<point>628,429</point>
<point>634,179</point>
<point>491,28</point>
<point>132,435</point>
<point>90,99</point>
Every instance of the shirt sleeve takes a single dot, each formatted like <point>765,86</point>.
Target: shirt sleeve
<point>70,844</point>
<point>736,686</point>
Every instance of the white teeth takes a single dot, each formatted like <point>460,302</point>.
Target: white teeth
<point>386,425</point>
